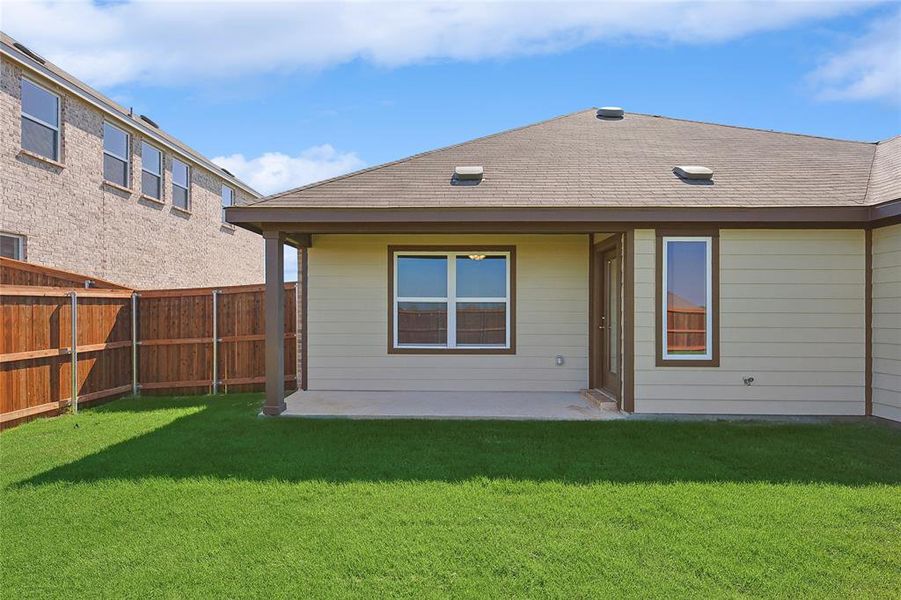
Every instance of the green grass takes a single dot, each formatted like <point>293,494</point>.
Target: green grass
<point>197,497</point>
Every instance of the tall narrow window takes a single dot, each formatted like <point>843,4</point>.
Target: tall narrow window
<point>12,246</point>
<point>181,184</point>
<point>151,171</point>
<point>451,300</point>
<point>40,120</point>
<point>688,300</point>
<point>116,155</point>
<point>228,199</point>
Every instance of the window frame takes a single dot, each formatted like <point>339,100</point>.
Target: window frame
<point>125,159</point>
<point>222,206</point>
<point>20,245</point>
<point>162,167</point>
<point>712,357</point>
<point>186,187</point>
<point>452,300</point>
<point>57,129</point>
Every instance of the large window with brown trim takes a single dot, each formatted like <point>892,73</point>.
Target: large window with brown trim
<point>687,300</point>
<point>452,300</point>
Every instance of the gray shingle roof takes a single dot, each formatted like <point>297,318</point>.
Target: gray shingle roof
<point>885,177</point>
<point>578,160</point>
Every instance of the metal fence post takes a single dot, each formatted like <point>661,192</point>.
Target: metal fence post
<point>134,344</point>
<point>74,352</point>
<point>215,342</point>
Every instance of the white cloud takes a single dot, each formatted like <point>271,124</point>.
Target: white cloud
<point>166,42</point>
<point>275,172</point>
<point>870,69</point>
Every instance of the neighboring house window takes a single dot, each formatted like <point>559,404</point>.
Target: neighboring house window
<point>151,171</point>
<point>228,199</point>
<point>181,184</point>
<point>12,246</point>
<point>452,300</point>
<point>688,298</point>
<point>115,155</point>
<point>40,120</point>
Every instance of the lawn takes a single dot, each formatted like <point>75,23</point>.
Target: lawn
<point>198,497</point>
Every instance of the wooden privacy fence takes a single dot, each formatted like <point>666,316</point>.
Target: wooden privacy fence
<point>130,342</point>
<point>686,329</point>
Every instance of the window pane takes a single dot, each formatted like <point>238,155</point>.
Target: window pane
<point>115,170</point>
<point>480,276</point>
<point>422,323</point>
<point>38,139</point>
<point>481,323</point>
<point>40,103</point>
<point>611,286</point>
<point>686,297</point>
<point>421,276</point>
<point>150,158</point>
<point>150,184</point>
<point>179,173</point>
<point>10,247</point>
<point>180,197</point>
<point>227,196</point>
<point>115,140</point>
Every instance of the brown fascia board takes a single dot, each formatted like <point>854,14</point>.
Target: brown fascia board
<point>380,220</point>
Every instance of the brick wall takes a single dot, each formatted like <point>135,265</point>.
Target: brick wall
<point>73,221</point>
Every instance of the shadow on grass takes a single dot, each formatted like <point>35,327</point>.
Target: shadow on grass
<point>227,440</point>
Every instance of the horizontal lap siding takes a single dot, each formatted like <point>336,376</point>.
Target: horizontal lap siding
<point>348,318</point>
<point>792,316</point>
<point>887,322</point>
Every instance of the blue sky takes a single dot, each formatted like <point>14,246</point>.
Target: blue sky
<point>286,93</point>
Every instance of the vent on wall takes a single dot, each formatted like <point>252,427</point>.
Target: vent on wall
<point>693,172</point>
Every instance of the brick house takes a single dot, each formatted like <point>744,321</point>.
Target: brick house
<point>88,186</point>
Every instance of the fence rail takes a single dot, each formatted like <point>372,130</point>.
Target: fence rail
<point>119,341</point>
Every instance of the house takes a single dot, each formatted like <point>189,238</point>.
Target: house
<point>675,266</point>
<point>89,186</point>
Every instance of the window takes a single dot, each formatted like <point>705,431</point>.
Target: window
<point>151,171</point>
<point>451,300</point>
<point>228,199</point>
<point>12,246</point>
<point>181,184</point>
<point>115,155</point>
<point>40,120</point>
<point>688,297</point>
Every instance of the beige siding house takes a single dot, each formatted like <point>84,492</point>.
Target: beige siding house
<point>663,265</point>
<point>90,187</point>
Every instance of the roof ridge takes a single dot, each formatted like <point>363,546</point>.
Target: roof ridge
<point>417,155</point>
<point>746,128</point>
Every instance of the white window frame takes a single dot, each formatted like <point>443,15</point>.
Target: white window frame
<point>222,206</point>
<point>21,242</point>
<point>33,119</point>
<point>125,159</point>
<point>145,170</point>
<point>451,300</point>
<point>187,183</point>
<point>708,343</point>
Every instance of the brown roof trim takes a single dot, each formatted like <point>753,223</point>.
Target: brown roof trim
<point>549,219</point>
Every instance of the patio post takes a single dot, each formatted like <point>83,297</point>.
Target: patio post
<point>274,308</point>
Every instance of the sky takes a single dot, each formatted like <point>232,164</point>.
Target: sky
<point>287,93</point>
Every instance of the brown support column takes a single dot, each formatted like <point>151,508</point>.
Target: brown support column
<point>274,307</point>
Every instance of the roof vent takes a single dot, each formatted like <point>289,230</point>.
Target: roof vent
<point>150,121</point>
<point>610,112</point>
<point>693,172</point>
<point>25,50</point>
<point>472,173</point>
<point>227,172</point>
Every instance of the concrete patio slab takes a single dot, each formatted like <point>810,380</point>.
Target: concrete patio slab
<point>538,406</point>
